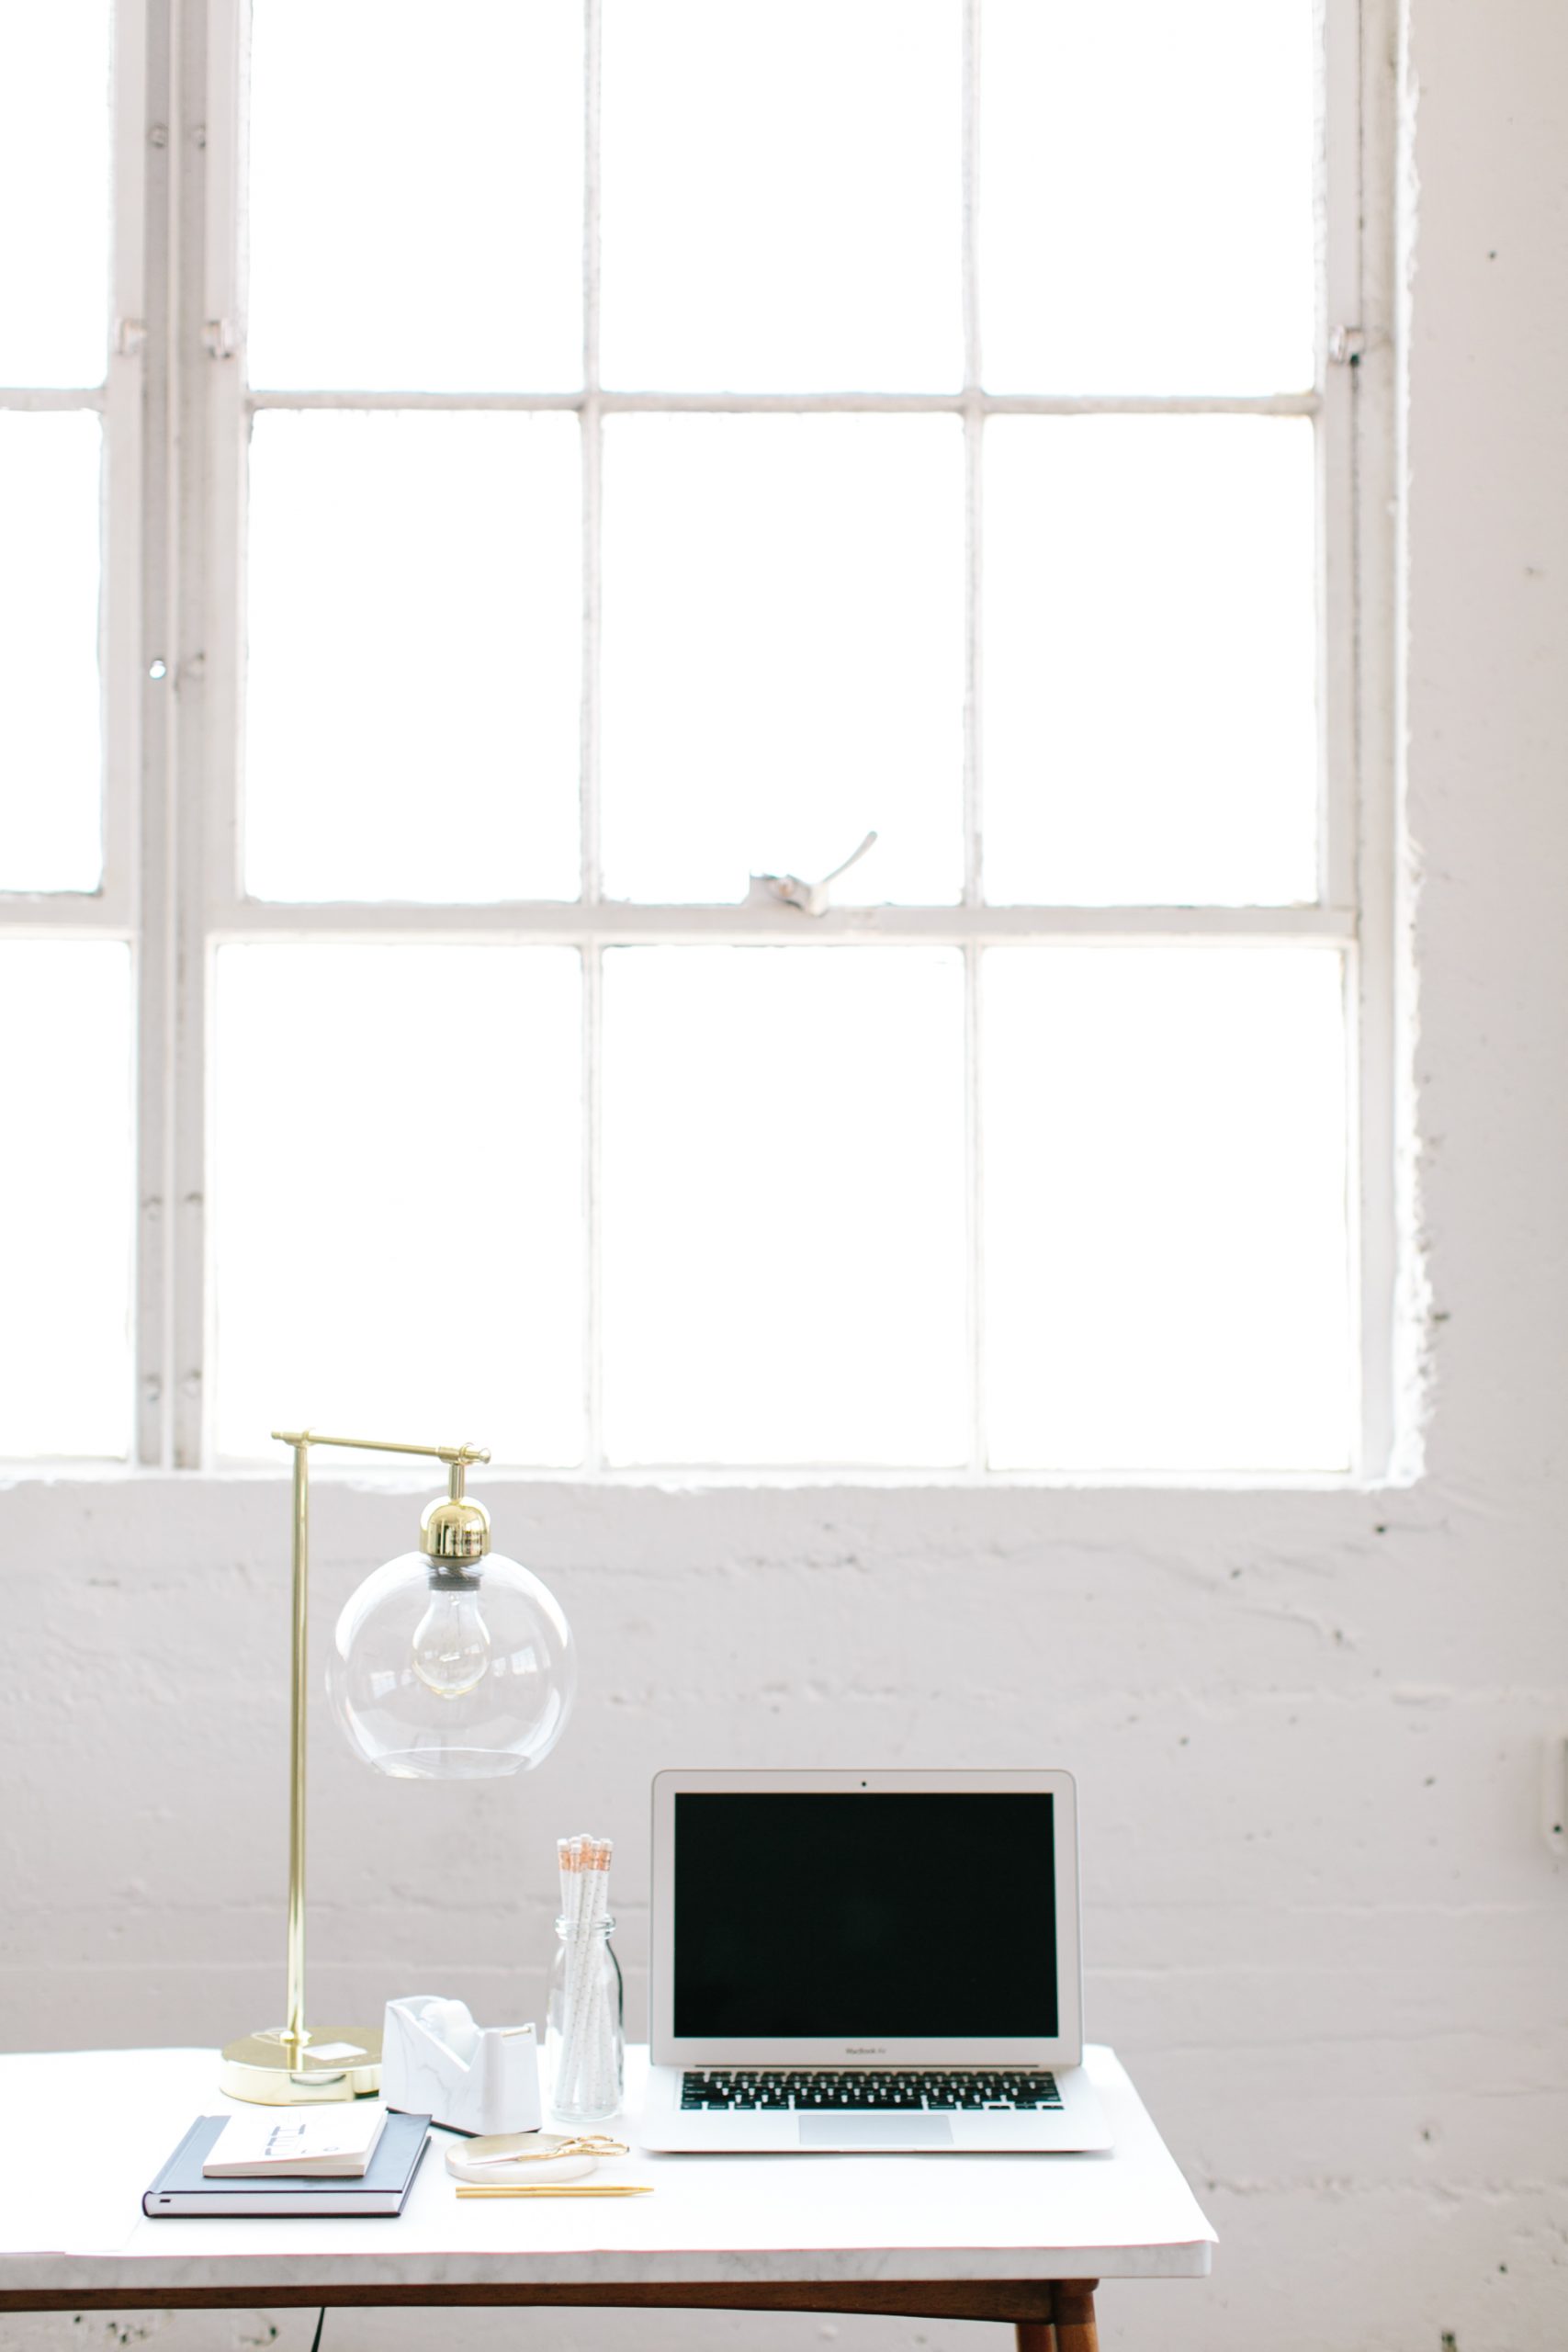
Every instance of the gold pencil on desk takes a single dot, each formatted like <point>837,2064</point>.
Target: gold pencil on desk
<point>561,2189</point>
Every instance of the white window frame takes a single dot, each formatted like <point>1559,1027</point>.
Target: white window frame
<point>176,415</point>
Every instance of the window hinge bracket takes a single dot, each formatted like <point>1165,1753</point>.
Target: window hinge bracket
<point>789,890</point>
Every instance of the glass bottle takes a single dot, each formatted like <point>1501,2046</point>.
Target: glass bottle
<point>585,2044</point>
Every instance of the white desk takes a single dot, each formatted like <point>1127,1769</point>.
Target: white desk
<point>1018,2238</point>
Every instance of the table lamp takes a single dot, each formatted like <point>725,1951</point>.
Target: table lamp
<point>450,1663</point>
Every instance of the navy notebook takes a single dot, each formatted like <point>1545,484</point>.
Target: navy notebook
<point>180,2187</point>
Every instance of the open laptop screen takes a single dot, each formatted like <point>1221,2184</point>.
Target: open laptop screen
<point>864,1917</point>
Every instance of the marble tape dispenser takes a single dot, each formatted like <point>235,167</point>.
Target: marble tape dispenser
<point>436,2061</point>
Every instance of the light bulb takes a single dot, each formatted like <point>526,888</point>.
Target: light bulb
<point>451,1646</point>
<point>437,1675</point>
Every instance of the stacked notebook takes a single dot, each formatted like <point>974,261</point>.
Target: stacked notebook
<point>357,2159</point>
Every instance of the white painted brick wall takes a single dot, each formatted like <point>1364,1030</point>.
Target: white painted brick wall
<point>1322,1925</point>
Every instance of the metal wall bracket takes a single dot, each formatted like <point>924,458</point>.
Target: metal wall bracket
<point>1555,1794</point>
<point>789,890</point>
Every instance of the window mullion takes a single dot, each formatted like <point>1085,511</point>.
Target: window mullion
<point>186,485</point>
<point>592,457</point>
<point>593,1166</point>
<point>975,1237</point>
<point>592,876</point>
<point>1377,977</point>
<point>846,403</point>
<point>974,427</point>
<point>126,682</point>
<point>1341,303</point>
<point>611,921</point>
<point>146,119</point>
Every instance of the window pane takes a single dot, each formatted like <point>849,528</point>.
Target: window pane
<point>783,1191</point>
<point>1150,661</point>
<point>1166,1283</point>
<point>783,653</point>
<point>413,702</point>
<point>1146,209</point>
<point>66,1189</point>
<point>416,195</point>
<point>54,191</point>
<point>51,795</point>
<point>397,1196</point>
<point>781,199</point>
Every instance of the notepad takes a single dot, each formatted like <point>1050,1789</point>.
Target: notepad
<point>323,2144</point>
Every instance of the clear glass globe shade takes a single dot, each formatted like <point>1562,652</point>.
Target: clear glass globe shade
<point>434,1680</point>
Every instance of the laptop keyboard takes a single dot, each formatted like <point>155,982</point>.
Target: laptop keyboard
<point>933,2091</point>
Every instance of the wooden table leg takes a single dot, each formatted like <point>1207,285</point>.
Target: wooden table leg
<point>1072,2328</point>
<point>1073,2304</point>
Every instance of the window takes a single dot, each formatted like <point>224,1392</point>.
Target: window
<point>68,514</point>
<point>545,485</point>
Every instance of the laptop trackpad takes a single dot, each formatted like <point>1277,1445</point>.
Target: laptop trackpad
<point>842,2130</point>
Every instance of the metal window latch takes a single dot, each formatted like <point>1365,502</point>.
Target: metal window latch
<point>218,339</point>
<point>1348,345</point>
<point>130,337</point>
<point>789,890</point>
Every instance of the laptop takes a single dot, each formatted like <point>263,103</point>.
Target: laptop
<point>854,1961</point>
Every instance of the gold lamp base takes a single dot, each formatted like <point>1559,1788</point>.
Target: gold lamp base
<point>271,2069</point>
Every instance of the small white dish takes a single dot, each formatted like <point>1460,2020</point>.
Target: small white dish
<point>544,2157</point>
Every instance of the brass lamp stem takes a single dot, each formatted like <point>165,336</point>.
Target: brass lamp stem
<point>294,2028</point>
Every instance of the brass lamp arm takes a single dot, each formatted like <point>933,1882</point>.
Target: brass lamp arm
<point>385,1445</point>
